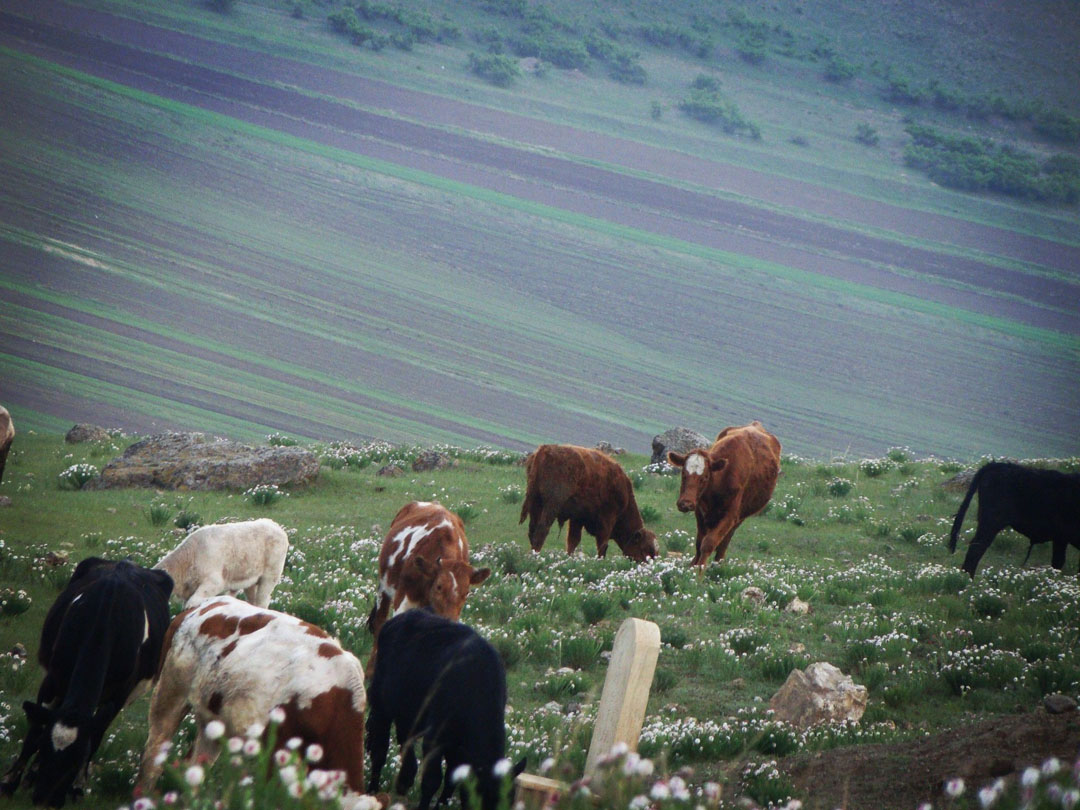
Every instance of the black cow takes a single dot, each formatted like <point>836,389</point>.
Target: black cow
<point>101,640</point>
<point>1043,505</point>
<point>438,681</point>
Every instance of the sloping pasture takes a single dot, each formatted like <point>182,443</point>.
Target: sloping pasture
<point>220,246</point>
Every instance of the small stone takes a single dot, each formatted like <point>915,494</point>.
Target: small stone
<point>798,607</point>
<point>1059,704</point>
<point>754,594</point>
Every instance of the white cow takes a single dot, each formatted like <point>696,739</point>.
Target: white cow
<point>230,661</point>
<point>227,558</point>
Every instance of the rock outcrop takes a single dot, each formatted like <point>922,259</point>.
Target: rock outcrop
<point>200,461</point>
<point>83,432</point>
<point>680,439</point>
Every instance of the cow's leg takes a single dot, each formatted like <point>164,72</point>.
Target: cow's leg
<point>573,536</point>
<point>1058,557</point>
<point>378,741</point>
<point>407,775</point>
<point>168,706</point>
<point>432,775</point>
<point>211,586</point>
<point>259,594</point>
<point>984,536</point>
<point>722,546</point>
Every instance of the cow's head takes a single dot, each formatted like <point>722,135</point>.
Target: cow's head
<point>697,471</point>
<point>641,545</point>
<point>450,583</point>
<point>62,755</point>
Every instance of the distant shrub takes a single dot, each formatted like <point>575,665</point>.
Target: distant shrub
<point>751,48</point>
<point>677,541</point>
<point>14,602</point>
<point>866,135</point>
<point>704,81</point>
<point>1058,126</point>
<point>973,164</point>
<point>901,90</point>
<point>626,68</point>
<point>838,69</point>
<point>281,440</point>
<point>496,68</point>
<point>711,107</point>
<point>799,140</point>
<point>665,35</point>
<point>656,110</point>
<point>900,455</point>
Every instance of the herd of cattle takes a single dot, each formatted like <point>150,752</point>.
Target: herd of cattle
<point>108,636</point>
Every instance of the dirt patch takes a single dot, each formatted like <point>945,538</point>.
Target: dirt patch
<point>901,775</point>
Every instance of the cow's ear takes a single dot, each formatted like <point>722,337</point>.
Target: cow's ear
<point>479,575</point>
<point>676,459</point>
<point>425,567</point>
<point>717,464</point>
<point>162,581</point>
<point>86,566</point>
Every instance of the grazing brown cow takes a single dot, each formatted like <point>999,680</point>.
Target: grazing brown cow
<point>231,661</point>
<point>424,562</point>
<point>726,484</point>
<point>7,433</point>
<point>592,492</point>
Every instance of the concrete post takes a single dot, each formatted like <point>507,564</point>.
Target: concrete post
<point>626,689</point>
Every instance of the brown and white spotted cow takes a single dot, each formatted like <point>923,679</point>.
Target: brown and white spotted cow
<point>232,661</point>
<point>424,562</point>
<point>726,484</point>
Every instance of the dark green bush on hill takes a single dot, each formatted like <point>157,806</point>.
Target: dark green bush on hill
<point>626,68</point>
<point>1058,126</point>
<point>707,104</point>
<point>495,67</point>
<point>838,69</point>
<point>974,164</point>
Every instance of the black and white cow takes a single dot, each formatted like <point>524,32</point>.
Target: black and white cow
<point>99,647</point>
<point>1043,505</point>
<point>439,682</point>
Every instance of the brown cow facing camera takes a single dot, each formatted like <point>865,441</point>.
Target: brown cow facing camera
<point>590,490</point>
<point>424,562</point>
<point>726,484</point>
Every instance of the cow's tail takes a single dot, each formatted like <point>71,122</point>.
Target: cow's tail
<point>954,535</point>
<point>530,489</point>
<point>371,616</point>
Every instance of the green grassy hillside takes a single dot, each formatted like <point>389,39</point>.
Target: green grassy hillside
<point>863,542</point>
<point>240,221</point>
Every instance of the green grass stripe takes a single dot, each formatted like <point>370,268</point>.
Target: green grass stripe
<point>824,284</point>
<point>227,381</point>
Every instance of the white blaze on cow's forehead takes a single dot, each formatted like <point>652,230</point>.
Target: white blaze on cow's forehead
<point>409,537</point>
<point>271,666</point>
<point>695,464</point>
<point>63,736</point>
<point>76,599</point>
<point>146,627</point>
